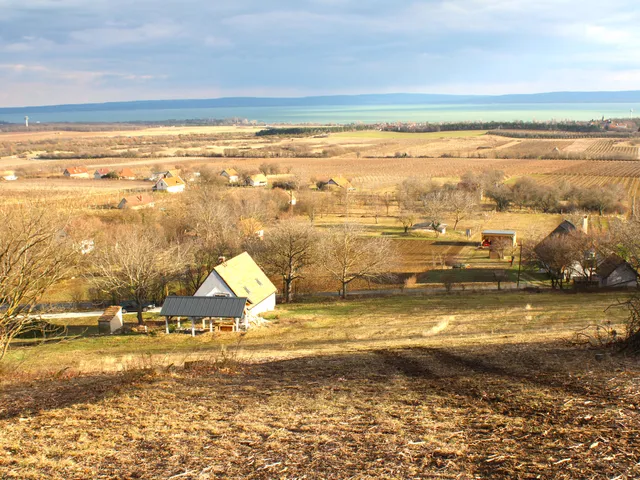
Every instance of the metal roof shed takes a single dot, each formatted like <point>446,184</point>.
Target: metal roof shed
<point>203,308</point>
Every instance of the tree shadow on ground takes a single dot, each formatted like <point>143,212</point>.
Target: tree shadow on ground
<point>517,410</point>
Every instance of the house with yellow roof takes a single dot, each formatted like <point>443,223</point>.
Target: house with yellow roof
<point>241,277</point>
<point>170,185</point>
<point>257,180</point>
<point>231,174</point>
<point>340,182</point>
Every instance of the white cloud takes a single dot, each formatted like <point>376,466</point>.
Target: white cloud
<point>112,36</point>
<point>217,42</point>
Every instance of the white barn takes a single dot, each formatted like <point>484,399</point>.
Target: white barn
<point>241,277</point>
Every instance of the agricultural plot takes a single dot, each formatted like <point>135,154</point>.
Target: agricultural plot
<point>603,168</point>
<point>535,148</point>
<point>612,149</point>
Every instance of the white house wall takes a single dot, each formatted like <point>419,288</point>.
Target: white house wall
<point>212,285</point>
<point>267,305</point>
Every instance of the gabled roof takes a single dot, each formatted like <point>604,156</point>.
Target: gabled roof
<point>204,307</point>
<point>564,228</point>
<point>341,182</point>
<point>245,278</point>
<point>137,200</point>
<point>258,177</point>
<point>172,181</point>
<point>76,170</point>
<point>102,171</point>
<point>126,172</point>
<point>610,264</point>
<point>230,171</point>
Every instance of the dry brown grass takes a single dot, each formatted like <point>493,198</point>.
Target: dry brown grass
<point>444,387</point>
<point>501,412</point>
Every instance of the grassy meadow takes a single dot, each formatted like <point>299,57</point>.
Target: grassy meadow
<point>453,386</point>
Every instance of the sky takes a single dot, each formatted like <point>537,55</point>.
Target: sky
<point>79,51</point>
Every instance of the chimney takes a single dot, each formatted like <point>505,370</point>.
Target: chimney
<point>585,224</point>
<point>222,260</point>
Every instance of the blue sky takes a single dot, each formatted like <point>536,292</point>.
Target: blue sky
<point>77,51</point>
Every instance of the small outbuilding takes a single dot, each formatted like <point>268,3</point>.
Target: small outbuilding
<point>101,173</point>
<point>111,320</point>
<point>258,180</point>
<point>126,174</point>
<point>489,237</point>
<point>340,182</point>
<point>497,241</point>
<point>231,175</point>
<point>223,314</point>
<point>615,271</point>
<point>76,172</point>
<point>137,202</point>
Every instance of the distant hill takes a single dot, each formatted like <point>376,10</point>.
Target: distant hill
<point>632,96</point>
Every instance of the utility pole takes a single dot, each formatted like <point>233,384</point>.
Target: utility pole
<point>519,265</point>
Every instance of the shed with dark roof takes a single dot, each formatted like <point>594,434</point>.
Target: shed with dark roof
<point>224,313</point>
<point>615,271</point>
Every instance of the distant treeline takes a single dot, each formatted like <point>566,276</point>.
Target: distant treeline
<point>456,126</point>
<point>315,130</point>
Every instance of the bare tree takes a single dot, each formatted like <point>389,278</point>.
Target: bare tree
<point>557,256</point>
<point>387,200</point>
<point>136,266</point>
<point>347,255</point>
<point>35,253</point>
<point>461,204</point>
<point>288,250</point>
<point>435,204</point>
<point>407,218</point>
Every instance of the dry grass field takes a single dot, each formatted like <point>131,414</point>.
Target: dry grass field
<point>453,386</point>
<point>372,159</point>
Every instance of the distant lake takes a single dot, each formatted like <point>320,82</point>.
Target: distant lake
<point>349,114</point>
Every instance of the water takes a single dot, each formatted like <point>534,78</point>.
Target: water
<point>350,114</point>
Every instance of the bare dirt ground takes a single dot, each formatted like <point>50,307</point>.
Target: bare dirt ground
<point>510,411</point>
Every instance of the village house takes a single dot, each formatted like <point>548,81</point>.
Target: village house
<point>231,175</point>
<point>257,180</point>
<point>241,277</point>
<point>340,182</point>
<point>137,202</point>
<point>9,176</point>
<point>100,173</point>
<point>76,172</point>
<point>126,174</point>
<point>170,185</point>
<point>614,271</point>
<point>166,174</point>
